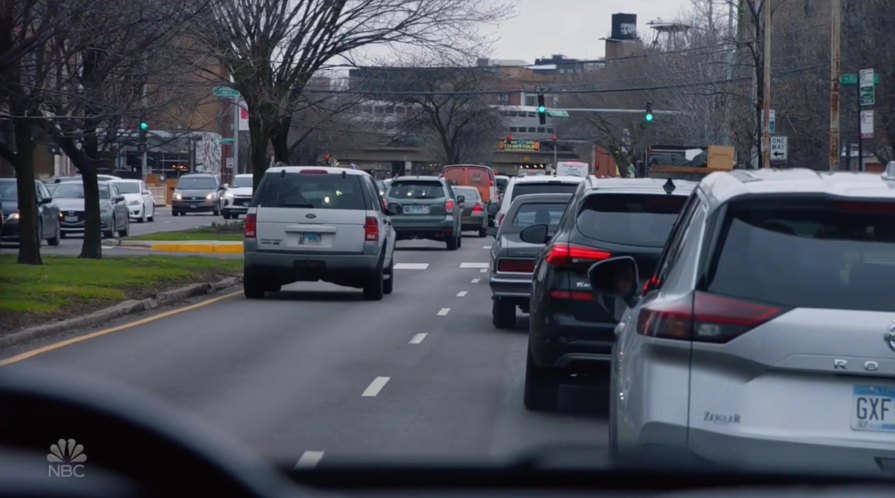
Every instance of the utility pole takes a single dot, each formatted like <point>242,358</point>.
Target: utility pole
<point>766,92</point>
<point>835,72</point>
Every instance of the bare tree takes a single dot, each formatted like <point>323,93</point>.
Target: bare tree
<point>272,48</point>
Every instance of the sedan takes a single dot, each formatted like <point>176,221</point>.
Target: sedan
<point>113,209</point>
<point>47,213</point>
<point>140,204</point>
<point>474,216</point>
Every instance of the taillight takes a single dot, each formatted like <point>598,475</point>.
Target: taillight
<point>249,230</point>
<point>371,229</point>
<point>574,296</point>
<point>313,172</point>
<point>478,208</point>
<point>449,206</point>
<point>563,255</point>
<point>704,317</point>
<point>500,219</point>
<point>515,265</point>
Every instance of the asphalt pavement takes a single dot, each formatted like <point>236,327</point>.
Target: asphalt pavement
<point>315,373</point>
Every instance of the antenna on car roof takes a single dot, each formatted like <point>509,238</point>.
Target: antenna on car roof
<point>669,186</point>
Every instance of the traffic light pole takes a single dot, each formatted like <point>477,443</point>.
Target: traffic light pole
<point>143,157</point>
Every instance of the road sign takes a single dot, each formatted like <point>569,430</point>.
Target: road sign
<point>866,124</point>
<point>226,141</point>
<point>851,79</point>
<point>553,113</point>
<point>226,92</point>
<point>779,148</point>
<point>868,96</point>
<point>772,125</point>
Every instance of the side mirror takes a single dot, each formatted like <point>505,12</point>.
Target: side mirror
<point>534,234</point>
<point>393,209</point>
<point>45,200</point>
<point>492,231</point>
<point>461,198</point>
<point>119,198</point>
<point>616,277</point>
<point>225,186</point>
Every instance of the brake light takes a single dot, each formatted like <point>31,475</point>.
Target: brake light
<point>249,230</point>
<point>500,219</point>
<point>371,229</point>
<point>704,317</point>
<point>478,208</point>
<point>562,255</point>
<point>449,206</point>
<point>574,296</point>
<point>516,265</point>
<point>313,172</point>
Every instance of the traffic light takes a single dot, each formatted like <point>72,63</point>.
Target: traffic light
<point>144,127</point>
<point>509,139</point>
<point>649,113</point>
<point>554,137</point>
<point>542,109</point>
<point>326,158</point>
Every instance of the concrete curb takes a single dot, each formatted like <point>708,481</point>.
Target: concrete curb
<point>118,310</point>
<point>195,247</point>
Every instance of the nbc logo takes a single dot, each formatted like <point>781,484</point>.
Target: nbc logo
<point>66,459</point>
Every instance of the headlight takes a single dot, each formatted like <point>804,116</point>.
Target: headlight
<point>212,196</point>
<point>177,196</point>
<point>135,202</point>
<point>14,216</point>
<point>228,195</point>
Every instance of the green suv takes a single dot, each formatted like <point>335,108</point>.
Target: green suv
<point>425,207</point>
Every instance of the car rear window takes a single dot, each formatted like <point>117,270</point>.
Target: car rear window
<point>471,194</point>
<point>632,219</point>
<point>544,188</point>
<point>536,213</point>
<point>819,253</point>
<point>312,191</point>
<point>416,190</point>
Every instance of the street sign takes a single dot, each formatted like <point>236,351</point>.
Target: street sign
<point>779,149</point>
<point>226,141</point>
<point>866,124</point>
<point>553,113</point>
<point>772,125</point>
<point>519,145</point>
<point>226,92</point>
<point>851,79</point>
<point>868,96</point>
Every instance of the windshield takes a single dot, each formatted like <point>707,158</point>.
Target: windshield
<point>311,191</point>
<point>8,191</point>
<point>128,187</point>
<point>416,190</point>
<point>76,191</point>
<point>242,181</point>
<point>197,183</point>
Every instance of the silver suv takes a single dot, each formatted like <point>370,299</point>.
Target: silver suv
<point>309,223</point>
<point>764,339</point>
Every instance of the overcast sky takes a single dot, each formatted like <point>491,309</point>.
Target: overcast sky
<point>573,28</point>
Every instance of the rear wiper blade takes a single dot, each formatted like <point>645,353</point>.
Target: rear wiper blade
<point>294,205</point>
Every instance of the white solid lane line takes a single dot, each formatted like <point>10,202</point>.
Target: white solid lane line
<point>476,280</point>
<point>373,389</point>
<point>411,266</point>
<point>462,294</point>
<point>483,270</point>
<point>473,265</point>
<point>418,338</point>
<point>486,247</point>
<point>309,460</point>
<point>443,311</point>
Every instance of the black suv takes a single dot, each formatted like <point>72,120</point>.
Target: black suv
<point>571,330</point>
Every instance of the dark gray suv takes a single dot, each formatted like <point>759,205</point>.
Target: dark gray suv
<point>426,207</point>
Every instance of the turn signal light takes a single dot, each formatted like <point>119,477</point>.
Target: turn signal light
<point>249,231</point>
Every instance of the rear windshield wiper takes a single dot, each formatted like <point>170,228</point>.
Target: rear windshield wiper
<point>294,205</point>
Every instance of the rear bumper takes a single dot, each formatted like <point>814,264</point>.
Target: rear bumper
<point>474,222</point>
<point>514,289</point>
<point>438,231</point>
<point>559,340</point>
<point>285,267</point>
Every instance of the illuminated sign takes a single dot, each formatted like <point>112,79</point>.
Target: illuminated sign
<point>519,145</point>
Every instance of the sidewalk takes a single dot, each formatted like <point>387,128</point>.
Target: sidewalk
<point>194,246</point>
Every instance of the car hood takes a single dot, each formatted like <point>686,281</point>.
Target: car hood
<point>68,204</point>
<point>195,192</point>
<point>512,246</point>
<point>9,207</point>
<point>135,196</point>
<point>242,191</point>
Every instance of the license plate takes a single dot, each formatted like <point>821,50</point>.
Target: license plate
<point>873,408</point>
<point>416,209</point>
<point>71,218</point>
<point>309,239</point>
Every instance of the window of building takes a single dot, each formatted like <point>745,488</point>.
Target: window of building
<point>541,129</point>
<point>531,129</point>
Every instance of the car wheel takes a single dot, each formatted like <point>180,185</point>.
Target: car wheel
<point>389,285</point>
<point>108,234</point>
<point>216,212</point>
<point>152,216</point>
<point>503,314</point>
<point>483,231</point>
<point>40,232</point>
<point>54,240</point>
<point>541,387</point>
<point>452,243</point>
<point>227,215</point>
<point>62,235</point>
<point>143,217</point>
<point>459,240</point>
<point>374,287</point>
<point>127,228</point>
<point>272,286</point>
<point>252,284</point>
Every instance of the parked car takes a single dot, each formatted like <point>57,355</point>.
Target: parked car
<point>771,299</point>
<point>512,260</point>
<point>571,331</point>
<point>112,209</point>
<point>309,223</point>
<point>197,193</point>
<point>236,198</point>
<point>47,213</point>
<point>474,215</point>
<point>535,185</point>
<point>425,207</point>
<point>383,188</point>
<point>140,204</point>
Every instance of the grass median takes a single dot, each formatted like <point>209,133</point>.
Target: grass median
<point>66,286</point>
<point>188,235</point>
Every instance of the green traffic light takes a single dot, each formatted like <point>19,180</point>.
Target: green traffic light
<point>144,126</point>
<point>649,117</point>
<point>542,109</point>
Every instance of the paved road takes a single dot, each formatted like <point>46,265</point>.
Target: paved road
<point>421,374</point>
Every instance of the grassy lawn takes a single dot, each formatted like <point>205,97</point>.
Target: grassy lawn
<point>69,286</point>
<point>188,235</point>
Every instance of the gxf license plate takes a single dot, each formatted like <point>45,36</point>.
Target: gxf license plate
<point>873,408</point>
<point>416,209</point>
<point>71,218</point>
<point>309,239</point>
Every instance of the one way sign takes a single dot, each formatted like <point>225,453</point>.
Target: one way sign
<point>779,148</point>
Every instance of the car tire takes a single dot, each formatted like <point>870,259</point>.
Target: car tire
<point>108,234</point>
<point>175,213</point>
<point>62,234</point>
<point>252,284</point>
<point>459,241</point>
<point>54,241</point>
<point>216,212</point>
<point>143,217</point>
<point>374,287</point>
<point>272,286</point>
<point>152,218</point>
<point>388,286</point>
<point>541,387</point>
<point>482,232</point>
<point>226,215</point>
<point>452,244</point>
<point>613,422</point>
<point>126,230</point>
<point>503,314</point>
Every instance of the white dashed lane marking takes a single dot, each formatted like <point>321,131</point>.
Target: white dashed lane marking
<point>483,270</point>
<point>475,280</point>
<point>309,460</point>
<point>473,265</point>
<point>486,247</point>
<point>418,338</point>
<point>411,266</point>
<point>373,389</point>
<point>462,294</point>
<point>443,311</point>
